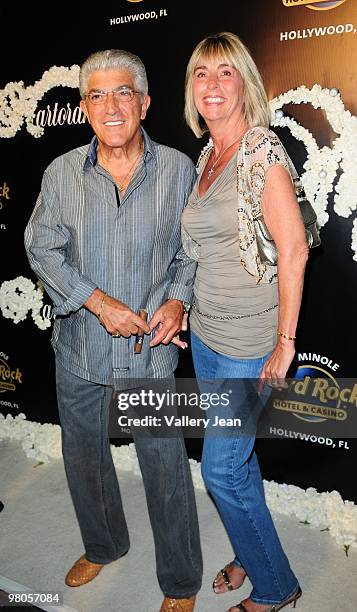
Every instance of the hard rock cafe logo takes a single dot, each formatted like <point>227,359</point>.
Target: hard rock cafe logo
<point>9,377</point>
<point>4,194</point>
<point>318,5</point>
<point>316,395</point>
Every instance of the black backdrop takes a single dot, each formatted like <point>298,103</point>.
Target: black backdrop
<point>34,39</point>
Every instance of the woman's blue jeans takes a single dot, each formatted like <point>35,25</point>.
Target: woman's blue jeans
<point>231,473</point>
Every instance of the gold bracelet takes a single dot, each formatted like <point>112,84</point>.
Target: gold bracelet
<point>99,315</point>
<point>286,336</point>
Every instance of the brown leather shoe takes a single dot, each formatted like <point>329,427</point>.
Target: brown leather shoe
<point>83,571</point>
<point>178,605</point>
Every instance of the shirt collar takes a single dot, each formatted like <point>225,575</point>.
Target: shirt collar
<point>91,156</point>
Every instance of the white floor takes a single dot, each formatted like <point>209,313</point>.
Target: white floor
<point>40,540</point>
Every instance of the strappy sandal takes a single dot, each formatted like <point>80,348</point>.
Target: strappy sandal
<point>291,600</point>
<point>227,581</point>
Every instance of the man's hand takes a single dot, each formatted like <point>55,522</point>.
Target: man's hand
<point>167,323</point>
<point>115,316</point>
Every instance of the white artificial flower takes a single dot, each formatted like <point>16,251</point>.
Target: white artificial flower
<point>324,165</point>
<point>18,103</point>
<point>20,296</point>
<point>354,239</point>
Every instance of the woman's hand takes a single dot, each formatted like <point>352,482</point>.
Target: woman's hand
<point>167,323</point>
<point>277,365</point>
<point>176,339</point>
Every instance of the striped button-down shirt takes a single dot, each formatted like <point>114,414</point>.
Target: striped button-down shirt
<point>82,235</point>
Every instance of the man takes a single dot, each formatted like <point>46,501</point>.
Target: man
<point>104,239</point>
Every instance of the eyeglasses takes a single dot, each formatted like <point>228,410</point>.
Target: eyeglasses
<point>120,94</point>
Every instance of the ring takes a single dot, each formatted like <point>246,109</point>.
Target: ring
<point>116,335</point>
<point>275,385</point>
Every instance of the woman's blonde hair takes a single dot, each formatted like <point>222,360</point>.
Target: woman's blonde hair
<point>228,47</point>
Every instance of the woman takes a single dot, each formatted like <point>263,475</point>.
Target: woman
<point>245,313</point>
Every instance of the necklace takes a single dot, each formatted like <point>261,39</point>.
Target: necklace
<point>212,168</point>
<point>123,183</point>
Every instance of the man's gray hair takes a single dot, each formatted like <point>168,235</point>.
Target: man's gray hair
<point>113,59</point>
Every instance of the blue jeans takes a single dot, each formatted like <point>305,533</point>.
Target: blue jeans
<point>83,409</point>
<point>231,473</point>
